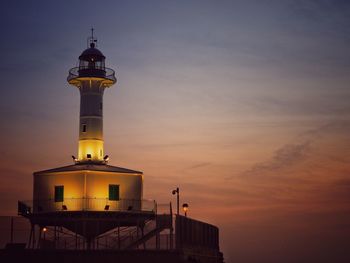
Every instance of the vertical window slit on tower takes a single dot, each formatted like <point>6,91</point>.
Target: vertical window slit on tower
<point>84,127</point>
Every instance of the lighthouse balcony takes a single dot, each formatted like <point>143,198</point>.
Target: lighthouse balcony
<point>77,74</point>
<point>27,208</point>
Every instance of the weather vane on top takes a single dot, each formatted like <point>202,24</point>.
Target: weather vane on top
<point>91,41</point>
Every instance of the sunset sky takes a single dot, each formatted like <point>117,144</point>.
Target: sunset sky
<point>245,105</point>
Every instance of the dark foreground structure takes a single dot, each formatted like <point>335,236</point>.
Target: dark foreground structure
<point>105,256</point>
<point>163,238</point>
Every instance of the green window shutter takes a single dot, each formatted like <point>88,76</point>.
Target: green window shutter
<point>113,192</point>
<point>59,190</point>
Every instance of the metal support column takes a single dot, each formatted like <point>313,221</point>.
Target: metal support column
<point>33,245</point>
<point>171,228</point>
<point>119,236</point>
<point>11,229</point>
<point>39,239</point>
<point>30,236</point>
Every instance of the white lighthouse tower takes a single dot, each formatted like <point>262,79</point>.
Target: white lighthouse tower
<point>91,78</point>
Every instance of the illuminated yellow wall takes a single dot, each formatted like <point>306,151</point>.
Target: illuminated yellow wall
<point>91,185</point>
<point>93,147</point>
<point>97,184</point>
<point>44,189</point>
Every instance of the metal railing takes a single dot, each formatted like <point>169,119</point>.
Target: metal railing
<point>106,73</point>
<point>86,204</point>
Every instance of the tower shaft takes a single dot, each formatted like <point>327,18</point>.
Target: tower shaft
<point>91,78</point>
<point>91,121</point>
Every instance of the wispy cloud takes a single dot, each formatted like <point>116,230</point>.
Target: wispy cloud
<point>196,166</point>
<point>286,156</point>
<point>306,145</point>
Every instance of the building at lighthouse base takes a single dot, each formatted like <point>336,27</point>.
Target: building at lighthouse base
<point>88,187</point>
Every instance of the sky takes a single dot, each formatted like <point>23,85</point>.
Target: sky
<point>242,104</point>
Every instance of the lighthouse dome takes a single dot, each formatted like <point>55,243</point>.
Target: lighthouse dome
<point>91,65</point>
<point>92,54</point>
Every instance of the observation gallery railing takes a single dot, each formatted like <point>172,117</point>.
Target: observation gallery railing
<point>103,72</point>
<point>86,204</point>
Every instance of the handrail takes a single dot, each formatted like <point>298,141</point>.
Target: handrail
<point>108,73</point>
<point>86,204</point>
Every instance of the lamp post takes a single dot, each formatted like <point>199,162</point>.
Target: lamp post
<point>185,208</point>
<point>177,192</point>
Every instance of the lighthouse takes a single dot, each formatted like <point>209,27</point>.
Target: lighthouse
<point>91,78</point>
<point>92,205</point>
<point>90,184</point>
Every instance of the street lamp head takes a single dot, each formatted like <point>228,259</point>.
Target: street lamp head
<point>185,207</point>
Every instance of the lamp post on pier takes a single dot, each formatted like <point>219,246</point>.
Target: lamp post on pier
<point>177,192</point>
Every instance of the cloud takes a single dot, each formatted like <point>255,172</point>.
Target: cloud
<point>196,166</point>
<point>286,156</point>
<point>309,174</point>
<point>310,144</point>
<point>338,127</point>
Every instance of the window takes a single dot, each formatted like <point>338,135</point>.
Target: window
<point>113,192</point>
<point>59,193</point>
<point>88,156</point>
<point>84,127</point>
